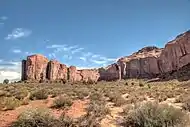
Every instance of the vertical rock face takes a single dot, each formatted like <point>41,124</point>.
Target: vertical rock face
<point>56,71</point>
<point>112,72</point>
<point>83,75</point>
<point>35,68</point>
<point>89,75</point>
<point>176,53</point>
<point>23,76</point>
<point>142,64</point>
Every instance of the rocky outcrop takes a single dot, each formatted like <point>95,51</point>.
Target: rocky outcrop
<point>56,71</point>
<point>38,68</point>
<point>112,72</point>
<point>34,68</point>
<point>142,64</point>
<point>149,62</point>
<point>176,54</point>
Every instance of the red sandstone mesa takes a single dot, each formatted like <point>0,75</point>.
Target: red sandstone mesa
<point>38,68</point>
<point>148,62</point>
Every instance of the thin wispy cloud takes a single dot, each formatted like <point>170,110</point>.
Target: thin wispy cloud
<point>55,46</point>
<point>16,51</point>
<point>77,50</point>
<point>3,18</point>
<point>29,53</point>
<point>69,52</point>
<point>18,33</point>
<point>82,58</point>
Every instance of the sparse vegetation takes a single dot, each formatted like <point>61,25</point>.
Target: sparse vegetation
<point>9,103</point>
<point>39,95</point>
<point>36,118</point>
<point>102,97</point>
<point>62,102</point>
<point>154,115</point>
<point>6,81</point>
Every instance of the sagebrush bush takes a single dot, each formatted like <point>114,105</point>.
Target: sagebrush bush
<point>21,94</point>
<point>154,115</point>
<point>36,118</point>
<point>62,102</point>
<point>186,105</point>
<point>39,95</point>
<point>96,111</point>
<point>9,103</point>
<point>117,99</point>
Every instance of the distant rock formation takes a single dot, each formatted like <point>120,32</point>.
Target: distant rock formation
<point>149,62</point>
<point>37,68</point>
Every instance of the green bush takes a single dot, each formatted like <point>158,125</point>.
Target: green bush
<point>62,102</point>
<point>39,95</point>
<point>155,115</point>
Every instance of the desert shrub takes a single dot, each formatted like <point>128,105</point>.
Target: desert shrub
<point>154,115</point>
<point>21,94</point>
<point>96,96</point>
<point>39,95</point>
<point>141,84</point>
<point>117,99</point>
<point>9,103</point>
<point>96,111</point>
<point>186,104</point>
<point>36,118</point>
<point>81,93</point>
<point>66,121</point>
<point>162,97</point>
<point>62,102</point>
<point>6,81</point>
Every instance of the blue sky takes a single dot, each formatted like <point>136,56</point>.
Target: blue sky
<point>85,33</point>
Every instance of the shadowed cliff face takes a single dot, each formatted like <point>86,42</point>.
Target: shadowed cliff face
<point>149,62</point>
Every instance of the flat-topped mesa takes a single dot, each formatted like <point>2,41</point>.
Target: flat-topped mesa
<point>37,68</point>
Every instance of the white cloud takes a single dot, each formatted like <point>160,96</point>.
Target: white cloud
<point>16,51</point>
<point>99,61</point>
<point>10,70</point>
<point>3,18</point>
<point>95,56</point>
<point>18,33</point>
<point>77,50</point>
<point>82,58</point>
<point>55,46</point>
<point>29,53</point>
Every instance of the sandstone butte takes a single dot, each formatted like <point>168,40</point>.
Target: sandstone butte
<point>149,62</point>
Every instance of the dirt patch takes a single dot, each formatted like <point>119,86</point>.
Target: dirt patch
<point>77,109</point>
